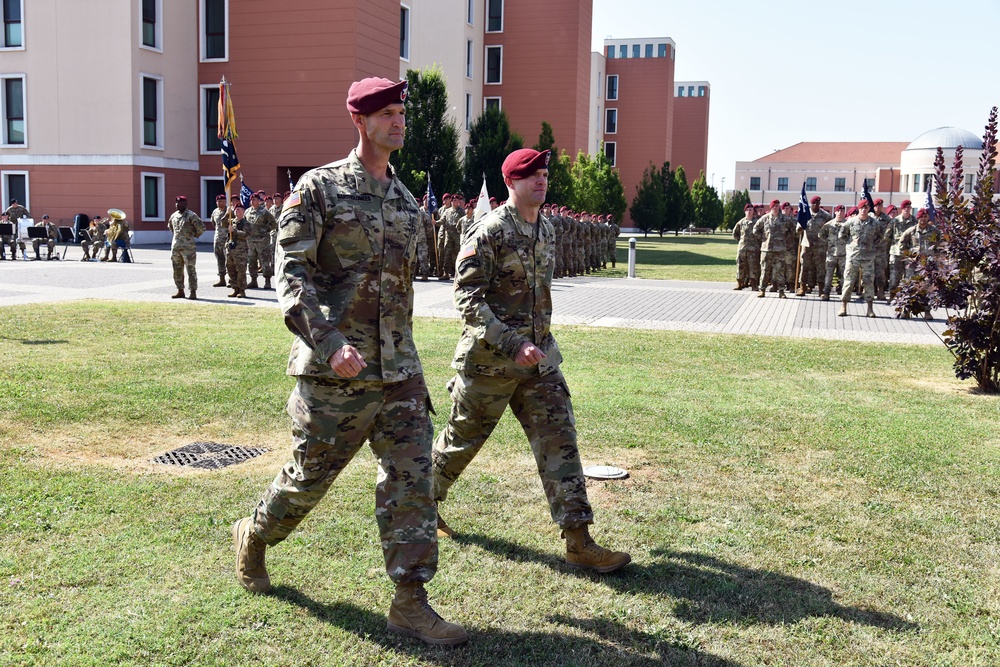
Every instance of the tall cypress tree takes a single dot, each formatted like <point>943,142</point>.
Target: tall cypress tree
<point>490,141</point>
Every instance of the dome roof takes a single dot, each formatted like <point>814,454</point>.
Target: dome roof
<point>946,137</point>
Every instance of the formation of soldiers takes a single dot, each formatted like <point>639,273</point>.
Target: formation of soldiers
<point>585,242</point>
<point>245,241</point>
<point>865,249</point>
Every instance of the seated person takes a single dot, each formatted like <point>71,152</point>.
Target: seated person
<point>51,236</point>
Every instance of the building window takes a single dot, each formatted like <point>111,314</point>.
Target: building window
<point>211,187</point>
<point>491,103</point>
<point>468,111</point>
<point>782,183</point>
<point>494,15</point>
<point>13,31</point>
<point>210,142</point>
<point>151,24</point>
<point>610,152</point>
<point>404,32</point>
<point>470,13</point>
<point>839,184</point>
<point>868,181</point>
<point>968,183</point>
<point>152,196</point>
<point>680,91</point>
<point>468,58</point>
<point>215,28</point>
<point>623,51</point>
<point>811,184</point>
<point>151,112</point>
<point>494,64</point>
<point>916,183</point>
<point>702,91</point>
<point>755,182</point>
<point>15,186</point>
<point>611,52</point>
<point>690,91</point>
<point>661,51</point>
<point>610,121</point>
<point>636,50</point>
<point>14,131</point>
<point>612,86</point>
<point>649,50</point>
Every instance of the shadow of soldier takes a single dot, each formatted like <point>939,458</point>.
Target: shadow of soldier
<point>711,590</point>
<point>610,643</point>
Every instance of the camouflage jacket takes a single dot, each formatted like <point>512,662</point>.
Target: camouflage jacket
<point>830,236</point>
<point>238,246</point>
<point>503,290</point>
<point>16,212</point>
<point>259,223</point>
<point>919,241</point>
<point>347,252</point>
<point>743,232</point>
<point>862,236</point>
<point>186,226</point>
<point>97,232</point>
<point>220,218</point>
<point>886,223</point>
<point>895,233</point>
<point>773,231</point>
<point>815,224</point>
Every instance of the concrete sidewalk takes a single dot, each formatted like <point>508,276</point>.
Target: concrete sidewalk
<point>600,302</point>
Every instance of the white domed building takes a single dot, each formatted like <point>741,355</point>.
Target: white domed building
<point>916,164</point>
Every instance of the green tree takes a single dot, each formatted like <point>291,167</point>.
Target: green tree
<point>670,211</point>
<point>546,139</point>
<point>560,165</point>
<point>597,187</point>
<point>648,207</point>
<point>683,204</point>
<point>733,210</point>
<point>490,141</point>
<point>706,204</point>
<point>431,137</point>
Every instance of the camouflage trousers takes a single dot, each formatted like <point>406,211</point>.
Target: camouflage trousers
<point>183,258</point>
<point>5,242</point>
<point>613,252</point>
<point>423,263</point>
<point>331,419</point>
<point>432,261</point>
<point>834,267</point>
<point>881,271</point>
<point>260,255</point>
<point>748,267</point>
<point>866,269</point>
<point>219,250</point>
<point>897,270</point>
<point>543,406</point>
<point>236,267</point>
<point>791,266</point>
<point>812,267</point>
<point>772,269</point>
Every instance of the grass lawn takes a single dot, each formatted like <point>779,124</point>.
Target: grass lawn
<point>791,502</point>
<point>697,257</point>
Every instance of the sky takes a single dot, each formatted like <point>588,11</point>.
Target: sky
<point>782,72</point>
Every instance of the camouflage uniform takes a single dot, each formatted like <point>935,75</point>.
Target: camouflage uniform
<point>503,291</point>
<point>237,253</point>
<point>836,255</point>
<point>557,233</point>
<point>8,241</point>
<point>220,218</point>
<point>812,259</point>
<point>613,244</point>
<point>425,244</point>
<point>747,253</point>
<point>451,239</point>
<point>862,237</point>
<point>51,236</point>
<point>115,237</point>
<point>773,230</point>
<point>187,227</point>
<point>918,242</point>
<point>897,254</point>
<point>346,259</point>
<point>259,225</point>
<point>275,212</point>
<point>14,213</point>
<point>882,255</point>
<point>93,240</point>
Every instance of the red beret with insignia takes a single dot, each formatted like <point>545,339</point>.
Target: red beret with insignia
<point>853,210</point>
<point>181,198</point>
<point>493,200</point>
<point>775,202</point>
<point>906,202</point>
<point>863,202</point>
<point>278,195</point>
<point>838,207</point>
<point>748,207</point>
<point>815,200</point>
<point>524,162</point>
<point>922,213</point>
<point>219,196</point>
<point>879,202</point>
<point>447,195</point>
<point>372,94</point>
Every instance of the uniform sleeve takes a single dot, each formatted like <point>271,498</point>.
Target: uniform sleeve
<point>736,230</point>
<point>300,231</point>
<point>476,269</point>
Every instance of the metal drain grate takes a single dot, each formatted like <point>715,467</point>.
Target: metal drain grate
<point>208,455</point>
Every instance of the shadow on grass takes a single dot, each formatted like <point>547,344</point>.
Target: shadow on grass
<point>609,643</point>
<point>711,590</point>
<point>29,341</point>
<point>679,258</point>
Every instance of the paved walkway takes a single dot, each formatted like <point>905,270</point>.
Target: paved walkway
<point>599,302</point>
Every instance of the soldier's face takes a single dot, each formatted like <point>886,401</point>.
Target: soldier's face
<point>840,215</point>
<point>181,206</point>
<point>532,189</point>
<point>814,208</point>
<point>907,212</point>
<point>384,128</point>
<point>922,222</point>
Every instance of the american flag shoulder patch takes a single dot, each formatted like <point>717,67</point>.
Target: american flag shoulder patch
<point>293,200</point>
<point>467,251</point>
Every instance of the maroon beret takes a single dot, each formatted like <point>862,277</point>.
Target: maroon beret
<point>815,200</point>
<point>748,207</point>
<point>879,202</point>
<point>775,202</point>
<point>219,196</point>
<point>863,202</point>
<point>906,202</point>
<point>372,94</point>
<point>257,195</point>
<point>786,205</point>
<point>524,162</point>
<point>922,213</point>
<point>287,192</point>
<point>278,195</point>
<point>493,200</point>
<point>181,198</point>
<point>838,207</point>
<point>853,210</point>
<point>447,195</point>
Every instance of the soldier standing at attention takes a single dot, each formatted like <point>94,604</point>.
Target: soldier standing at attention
<point>897,258</point>
<point>773,229</point>
<point>882,252</point>
<point>275,211</point>
<point>747,250</point>
<point>836,252</point>
<point>220,218</point>
<point>236,254</point>
<point>259,225</point>
<point>186,227</point>
<point>812,262</point>
<point>862,234</point>
<point>508,356</point>
<point>346,258</point>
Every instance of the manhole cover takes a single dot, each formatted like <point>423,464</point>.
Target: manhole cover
<point>208,455</point>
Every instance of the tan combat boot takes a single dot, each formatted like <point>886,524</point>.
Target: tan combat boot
<point>583,552</point>
<point>738,287</point>
<point>781,294</point>
<point>761,294</point>
<point>843,309</point>
<point>267,283</point>
<point>443,530</point>
<point>871,309</point>
<point>825,297</point>
<point>179,295</point>
<point>221,283</point>
<point>250,569</point>
<point>253,283</point>
<point>193,296</point>
<point>800,292</point>
<point>411,614</point>
<point>235,293</point>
